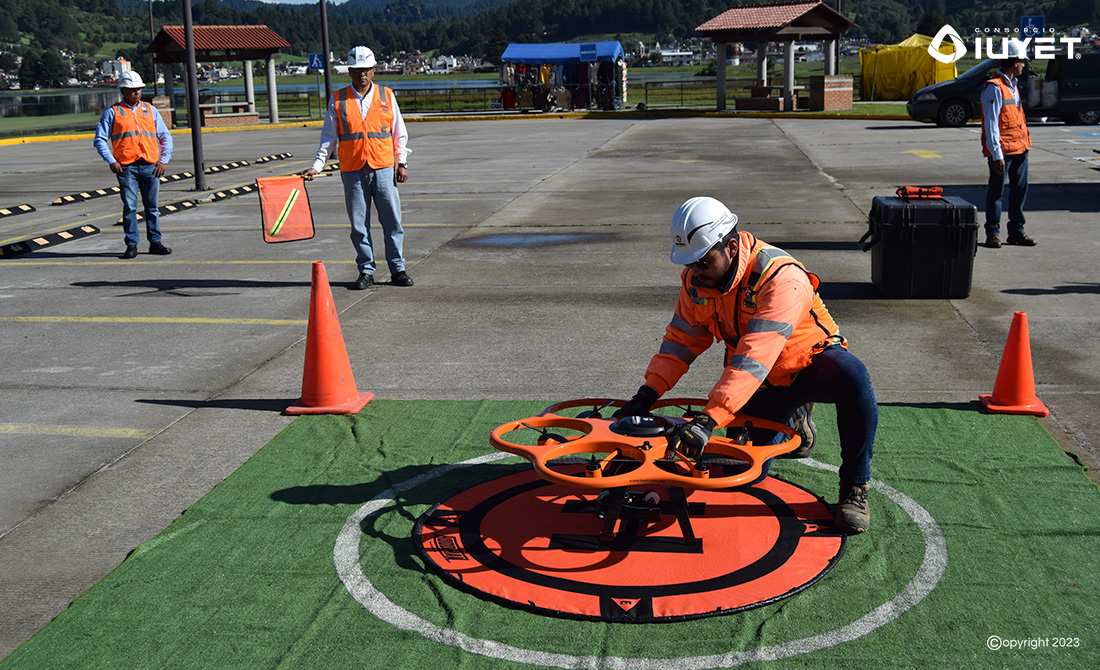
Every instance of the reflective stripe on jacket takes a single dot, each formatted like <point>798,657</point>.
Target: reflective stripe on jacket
<point>134,134</point>
<point>366,141</point>
<point>770,318</point>
<point>1012,125</point>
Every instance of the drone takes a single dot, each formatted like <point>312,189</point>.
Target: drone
<point>624,458</point>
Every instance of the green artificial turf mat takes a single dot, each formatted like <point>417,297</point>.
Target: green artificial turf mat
<point>998,539</point>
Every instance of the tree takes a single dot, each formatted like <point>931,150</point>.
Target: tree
<point>494,49</point>
<point>53,72</point>
<point>28,69</point>
<point>930,23</point>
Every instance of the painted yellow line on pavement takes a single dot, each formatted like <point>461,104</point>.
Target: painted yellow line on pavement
<point>151,319</point>
<point>923,153</point>
<point>77,431</point>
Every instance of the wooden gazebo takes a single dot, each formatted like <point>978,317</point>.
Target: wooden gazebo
<point>786,22</point>
<point>220,44</point>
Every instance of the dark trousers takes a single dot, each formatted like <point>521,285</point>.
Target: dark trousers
<point>1016,171</point>
<point>834,377</point>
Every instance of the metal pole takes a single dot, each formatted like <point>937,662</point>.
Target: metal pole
<point>325,56</point>
<point>194,116</point>
<point>156,92</point>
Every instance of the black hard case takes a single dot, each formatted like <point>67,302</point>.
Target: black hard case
<point>922,248</point>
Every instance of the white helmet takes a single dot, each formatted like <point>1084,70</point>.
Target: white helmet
<point>698,225</point>
<point>361,58</point>
<point>1015,49</point>
<point>130,79</point>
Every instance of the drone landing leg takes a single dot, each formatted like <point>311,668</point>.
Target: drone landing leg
<point>679,505</point>
<point>611,517</point>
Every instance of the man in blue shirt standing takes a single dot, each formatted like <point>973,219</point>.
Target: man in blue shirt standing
<point>1005,144</point>
<point>132,138</point>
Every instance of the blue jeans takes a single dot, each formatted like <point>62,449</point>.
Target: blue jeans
<point>137,178</point>
<point>381,187</point>
<point>1016,170</point>
<point>833,377</point>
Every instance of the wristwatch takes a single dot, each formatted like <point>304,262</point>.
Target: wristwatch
<point>404,165</point>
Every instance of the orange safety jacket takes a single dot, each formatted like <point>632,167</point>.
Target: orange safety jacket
<point>770,318</point>
<point>1015,138</point>
<point>366,141</point>
<point>134,134</point>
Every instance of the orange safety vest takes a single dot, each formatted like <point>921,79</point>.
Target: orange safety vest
<point>771,320</point>
<point>366,141</point>
<point>1014,136</point>
<point>134,134</point>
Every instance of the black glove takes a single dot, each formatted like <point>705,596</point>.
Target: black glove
<point>640,404</point>
<point>691,437</point>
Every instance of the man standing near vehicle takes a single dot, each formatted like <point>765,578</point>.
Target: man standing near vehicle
<point>366,123</point>
<point>134,141</point>
<point>1005,144</point>
<point>783,352</point>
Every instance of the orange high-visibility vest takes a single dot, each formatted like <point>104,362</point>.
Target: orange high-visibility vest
<point>1015,138</point>
<point>366,141</point>
<point>134,134</point>
<point>770,318</point>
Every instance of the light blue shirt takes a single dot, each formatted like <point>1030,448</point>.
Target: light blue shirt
<point>102,141</point>
<point>992,103</point>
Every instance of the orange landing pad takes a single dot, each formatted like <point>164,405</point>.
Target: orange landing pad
<point>527,543</point>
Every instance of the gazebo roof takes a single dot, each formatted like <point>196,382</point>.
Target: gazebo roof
<point>216,44</point>
<point>777,21</point>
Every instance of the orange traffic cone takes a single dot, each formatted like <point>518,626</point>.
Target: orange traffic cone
<point>1014,389</point>
<point>328,386</point>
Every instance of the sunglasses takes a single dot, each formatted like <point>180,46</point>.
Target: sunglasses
<point>702,264</point>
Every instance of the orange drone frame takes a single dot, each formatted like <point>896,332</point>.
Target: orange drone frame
<point>637,447</point>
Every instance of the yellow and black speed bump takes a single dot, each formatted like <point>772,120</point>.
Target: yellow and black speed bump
<point>114,190</point>
<point>27,246</point>
<point>274,157</point>
<point>170,208</point>
<point>233,192</point>
<point>86,195</point>
<point>12,211</point>
<point>331,167</point>
<point>227,166</point>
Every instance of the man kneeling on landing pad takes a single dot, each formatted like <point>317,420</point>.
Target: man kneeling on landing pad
<point>784,352</point>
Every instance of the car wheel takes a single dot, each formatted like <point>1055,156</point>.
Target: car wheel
<point>1089,118</point>
<point>954,113</point>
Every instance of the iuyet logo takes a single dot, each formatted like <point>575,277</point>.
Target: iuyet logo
<point>1044,47</point>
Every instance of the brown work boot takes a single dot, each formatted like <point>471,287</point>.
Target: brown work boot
<point>993,242</point>
<point>803,424</point>
<point>1021,240</point>
<point>852,513</point>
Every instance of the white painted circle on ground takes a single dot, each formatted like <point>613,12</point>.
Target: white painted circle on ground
<point>346,557</point>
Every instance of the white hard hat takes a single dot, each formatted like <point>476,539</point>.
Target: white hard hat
<point>698,225</point>
<point>130,79</point>
<point>1015,49</point>
<point>361,57</point>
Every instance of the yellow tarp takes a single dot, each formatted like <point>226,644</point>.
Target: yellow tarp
<point>897,71</point>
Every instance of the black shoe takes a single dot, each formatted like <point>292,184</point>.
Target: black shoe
<point>401,278</point>
<point>158,249</point>
<point>993,242</point>
<point>131,251</point>
<point>1020,240</point>
<point>364,282</point>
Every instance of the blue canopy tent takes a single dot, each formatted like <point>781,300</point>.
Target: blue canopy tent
<point>575,75</point>
<point>562,53</point>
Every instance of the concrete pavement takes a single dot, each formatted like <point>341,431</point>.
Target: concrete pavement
<point>540,254</point>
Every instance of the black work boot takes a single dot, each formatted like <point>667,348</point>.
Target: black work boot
<point>852,513</point>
